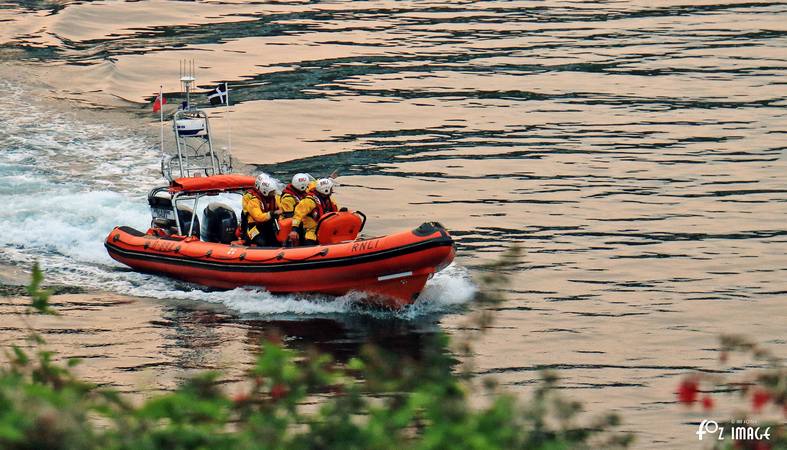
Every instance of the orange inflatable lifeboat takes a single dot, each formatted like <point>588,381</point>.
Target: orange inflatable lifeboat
<point>392,269</point>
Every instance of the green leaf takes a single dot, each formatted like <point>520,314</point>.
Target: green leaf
<point>21,356</point>
<point>40,297</point>
<point>355,364</point>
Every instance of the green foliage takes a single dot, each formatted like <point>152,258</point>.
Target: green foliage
<point>40,297</point>
<point>293,400</point>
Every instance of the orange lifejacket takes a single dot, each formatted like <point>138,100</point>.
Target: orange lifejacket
<point>296,195</point>
<point>324,205</point>
<point>290,190</point>
<point>268,204</point>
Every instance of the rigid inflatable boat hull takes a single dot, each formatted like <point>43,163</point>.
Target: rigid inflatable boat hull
<point>393,269</point>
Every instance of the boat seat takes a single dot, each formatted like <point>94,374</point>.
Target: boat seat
<point>337,227</point>
<point>184,216</point>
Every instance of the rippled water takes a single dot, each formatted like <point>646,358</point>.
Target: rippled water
<point>634,150</point>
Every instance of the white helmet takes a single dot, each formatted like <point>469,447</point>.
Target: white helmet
<point>325,186</point>
<point>300,181</point>
<point>265,184</point>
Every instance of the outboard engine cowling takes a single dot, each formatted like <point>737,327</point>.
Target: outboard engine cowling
<point>160,202</point>
<point>221,223</point>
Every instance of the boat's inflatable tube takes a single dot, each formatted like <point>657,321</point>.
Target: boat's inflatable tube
<point>393,268</point>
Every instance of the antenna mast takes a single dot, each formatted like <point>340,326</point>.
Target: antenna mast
<point>187,80</point>
<point>193,140</point>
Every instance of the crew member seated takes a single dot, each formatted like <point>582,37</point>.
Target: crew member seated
<point>317,202</point>
<point>291,195</point>
<point>295,192</point>
<point>260,211</point>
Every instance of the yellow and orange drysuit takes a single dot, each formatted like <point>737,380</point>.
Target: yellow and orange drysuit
<point>309,210</point>
<point>258,219</point>
<point>290,197</point>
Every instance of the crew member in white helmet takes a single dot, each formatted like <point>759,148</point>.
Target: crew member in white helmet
<point>260,211</point>
<point>318,201</point>
<point>295,192</point>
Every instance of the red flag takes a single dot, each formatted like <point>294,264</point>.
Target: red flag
<point>160,100</point>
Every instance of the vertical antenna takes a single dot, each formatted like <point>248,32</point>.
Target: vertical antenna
<point>229,125</point>
<point>187,80</point>
<point>161,116</point>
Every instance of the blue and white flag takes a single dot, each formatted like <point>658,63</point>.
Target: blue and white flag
<point>219,95</point>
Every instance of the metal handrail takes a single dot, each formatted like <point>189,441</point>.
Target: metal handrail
<point>185,167</point>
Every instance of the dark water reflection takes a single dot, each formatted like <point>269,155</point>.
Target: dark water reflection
<point>342,336</point>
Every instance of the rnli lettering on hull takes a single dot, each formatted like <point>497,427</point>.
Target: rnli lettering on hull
<point>365,245</point>
<point>163,246</point>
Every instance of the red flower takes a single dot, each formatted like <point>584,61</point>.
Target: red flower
<point>707,403</point>
<point>240,397</point>
<point>688,391</point>
<point>274,337</point>
<point>758,399</point>
<point>278,391</point>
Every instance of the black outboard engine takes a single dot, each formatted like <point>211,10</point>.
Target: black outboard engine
<point>221,223</point>
<point>160,201</point>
